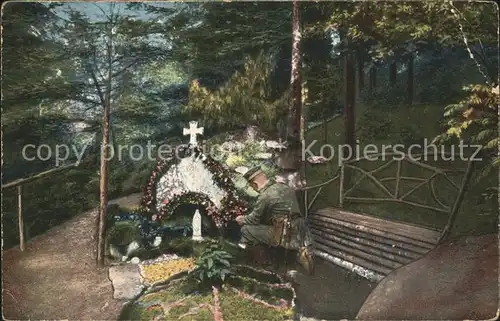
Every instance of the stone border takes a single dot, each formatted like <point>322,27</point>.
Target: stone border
<point>161,285</point>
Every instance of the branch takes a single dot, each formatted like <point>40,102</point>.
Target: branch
<point>125,68</point>
<point>96,83</point>
<point>455,12</point>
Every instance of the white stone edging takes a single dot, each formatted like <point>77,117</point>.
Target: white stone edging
<point>359,270</point>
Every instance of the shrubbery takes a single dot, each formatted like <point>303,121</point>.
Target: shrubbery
<point>213,266</point>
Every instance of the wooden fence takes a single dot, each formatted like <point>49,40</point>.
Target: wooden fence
<point>18,185</point>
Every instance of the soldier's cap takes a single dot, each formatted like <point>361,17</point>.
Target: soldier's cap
<point>253,172</point>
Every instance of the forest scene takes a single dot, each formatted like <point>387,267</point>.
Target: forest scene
<point>160,160</point>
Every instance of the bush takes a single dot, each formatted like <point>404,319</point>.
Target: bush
<point>123,233</point>
<point>213,266</point>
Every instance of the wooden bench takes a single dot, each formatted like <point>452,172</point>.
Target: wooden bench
<point>370,246</point>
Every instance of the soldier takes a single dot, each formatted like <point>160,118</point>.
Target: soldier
<point>276,220</point>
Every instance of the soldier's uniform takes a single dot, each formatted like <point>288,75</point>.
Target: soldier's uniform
<point>276,220</point>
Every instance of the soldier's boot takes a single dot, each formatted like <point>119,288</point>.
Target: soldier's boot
<point>306,259</point>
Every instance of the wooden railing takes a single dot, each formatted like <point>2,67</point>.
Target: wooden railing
<point>319,188</point>
<point>18,185</point>
<point>395,196</point>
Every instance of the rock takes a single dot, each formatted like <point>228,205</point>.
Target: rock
<point>251,133</point>
<point>157,241</point>
<point>113,251</point>
<point>232,146</point>
<point>132,248</point>
<point>241,169</point>
<point>135,260</point>
<point>126,280</point>
<point>458,280</point>
<point>272,144</point>
<point>263,155</point>
<point>317,159</point>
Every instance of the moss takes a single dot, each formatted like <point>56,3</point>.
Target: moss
<point>182,246</point>
<point>235,307</point>
<point>134,312</point>
<point>261,289</point>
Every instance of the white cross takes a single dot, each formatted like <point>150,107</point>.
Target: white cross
<point>192,131</point>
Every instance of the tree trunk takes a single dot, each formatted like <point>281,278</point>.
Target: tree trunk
<point>361,71</point>
<point>295,111</point>
<point>393,73</point>
<point>103,197</point>
<point>350,100</point>
<point>103,186</point>
<point>373,77</point>
<point>410,79</point>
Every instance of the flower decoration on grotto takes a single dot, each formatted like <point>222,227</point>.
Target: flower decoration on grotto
<point>231,205</point>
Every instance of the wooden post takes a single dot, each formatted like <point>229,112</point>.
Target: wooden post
<point>341,184</point>
<point>306,205</point>
<point>458,201</point>
<point>398,178</point>
<point>20,218</point>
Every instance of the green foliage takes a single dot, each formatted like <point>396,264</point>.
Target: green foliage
<point>475,119</point>
<point>244,99</point>
<point>385,97</point>
<point>391,126</point>
<point>213,266</point>
<point>123,233</point>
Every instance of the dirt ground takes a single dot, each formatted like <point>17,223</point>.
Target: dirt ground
<point>56,277</point>
<point>332,293</point>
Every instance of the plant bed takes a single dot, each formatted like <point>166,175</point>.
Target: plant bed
<point>160,272</point>
<point>182,300</point>
<point>258,274</point>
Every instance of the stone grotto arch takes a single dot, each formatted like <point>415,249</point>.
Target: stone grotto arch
<point>192,177</point>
